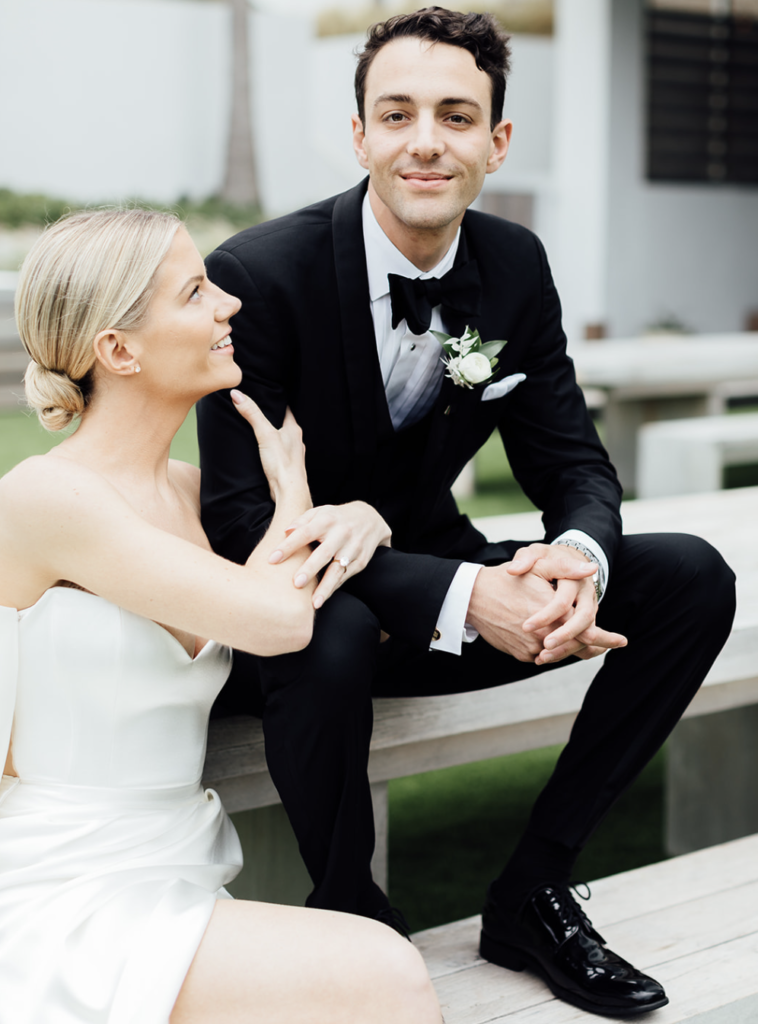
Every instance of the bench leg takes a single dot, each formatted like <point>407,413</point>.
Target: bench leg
<point>712,766</point>
<point>273,870</point>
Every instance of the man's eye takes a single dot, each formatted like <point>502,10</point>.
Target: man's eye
<point>458,119</point>
<point>396,117</point>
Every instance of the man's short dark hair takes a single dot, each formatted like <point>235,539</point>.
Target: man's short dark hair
<point>480,34</point>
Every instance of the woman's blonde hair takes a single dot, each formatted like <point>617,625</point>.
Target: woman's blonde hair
<point>86,273</point>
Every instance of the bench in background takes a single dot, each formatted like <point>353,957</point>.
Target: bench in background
<point>688,456</point>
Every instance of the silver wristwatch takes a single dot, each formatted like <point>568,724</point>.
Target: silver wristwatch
<point>599,577</point>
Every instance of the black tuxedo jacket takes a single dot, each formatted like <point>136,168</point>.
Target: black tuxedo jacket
<point>304,338</point>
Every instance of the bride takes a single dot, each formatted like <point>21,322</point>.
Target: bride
<point>113,858</point>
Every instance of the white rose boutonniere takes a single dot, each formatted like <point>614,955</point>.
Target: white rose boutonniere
<point>468,359</point>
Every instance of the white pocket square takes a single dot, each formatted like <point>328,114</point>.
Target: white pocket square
<point>502,387</point>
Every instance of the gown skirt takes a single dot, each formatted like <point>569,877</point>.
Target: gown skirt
<point>112,855</point>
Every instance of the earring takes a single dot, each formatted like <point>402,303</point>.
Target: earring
<point>136,368</point>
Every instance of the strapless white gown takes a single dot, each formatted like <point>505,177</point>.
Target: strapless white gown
<point>111,854</point>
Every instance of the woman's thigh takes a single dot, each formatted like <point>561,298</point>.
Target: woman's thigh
<point>260,962</point>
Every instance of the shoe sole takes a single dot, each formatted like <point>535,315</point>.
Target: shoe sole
<point>516,960</point>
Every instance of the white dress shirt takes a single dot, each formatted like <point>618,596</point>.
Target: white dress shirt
<point>412,372</point>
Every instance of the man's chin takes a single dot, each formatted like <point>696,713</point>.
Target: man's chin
<point>429,215</point>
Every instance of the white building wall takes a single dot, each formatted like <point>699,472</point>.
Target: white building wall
<point>690,251</point>
<point>111,99</point>
<point>107,99</point>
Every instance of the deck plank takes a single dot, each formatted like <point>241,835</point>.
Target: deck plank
<point>691,922</point>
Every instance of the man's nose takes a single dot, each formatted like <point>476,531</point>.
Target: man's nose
<point>426,142</point>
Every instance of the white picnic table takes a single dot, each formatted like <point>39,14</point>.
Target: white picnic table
<point>663,377</point>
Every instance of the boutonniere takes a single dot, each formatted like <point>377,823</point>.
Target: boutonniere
<point>468,359</point>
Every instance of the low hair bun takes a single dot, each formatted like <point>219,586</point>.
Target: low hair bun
<point>53,395</point>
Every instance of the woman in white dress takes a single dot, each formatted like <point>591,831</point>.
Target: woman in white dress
<point>112,857</point>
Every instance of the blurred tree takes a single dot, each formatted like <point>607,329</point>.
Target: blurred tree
<point>240,184</point>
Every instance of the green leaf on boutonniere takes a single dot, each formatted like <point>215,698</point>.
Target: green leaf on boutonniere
<point>491,348</point>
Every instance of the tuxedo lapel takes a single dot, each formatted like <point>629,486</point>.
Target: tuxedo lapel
<point>358,340</point>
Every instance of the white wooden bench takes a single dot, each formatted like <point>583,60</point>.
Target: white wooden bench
<point>417,735</point>
<point>688,456</point>
<point>690,922</point>
<point>661,378</point>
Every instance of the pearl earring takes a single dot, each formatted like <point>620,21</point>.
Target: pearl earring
<point>137,368</point>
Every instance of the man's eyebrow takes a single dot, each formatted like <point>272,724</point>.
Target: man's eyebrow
<point>392,98</point>
<point>198,279</point>
<point>449,101</point>
<point>457,101</point>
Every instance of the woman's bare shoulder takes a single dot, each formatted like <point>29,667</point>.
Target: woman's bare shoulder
<point>45,485</point>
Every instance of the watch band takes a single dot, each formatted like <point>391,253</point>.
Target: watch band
<point>599,577</point>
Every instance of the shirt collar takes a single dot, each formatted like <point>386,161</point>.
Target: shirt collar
<point>383,258</point>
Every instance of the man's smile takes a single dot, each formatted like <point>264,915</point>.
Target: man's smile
<point>426,179</point>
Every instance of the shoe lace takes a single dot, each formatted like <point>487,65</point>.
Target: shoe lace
<point>575,912</point>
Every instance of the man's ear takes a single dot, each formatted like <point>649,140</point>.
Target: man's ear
<point>116,352</point>
<point>358,141</point>
<point>501,138</point>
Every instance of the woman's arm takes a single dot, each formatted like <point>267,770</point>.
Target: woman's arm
<point>60,520</point>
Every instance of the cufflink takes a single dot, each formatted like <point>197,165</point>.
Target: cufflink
<point>436,635</point>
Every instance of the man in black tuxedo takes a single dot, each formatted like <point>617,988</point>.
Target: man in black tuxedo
<point>332,326</point>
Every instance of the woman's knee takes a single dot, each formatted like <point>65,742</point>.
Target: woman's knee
<point>402,983</point>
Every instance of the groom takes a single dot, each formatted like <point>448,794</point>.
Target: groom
<point>339,302</point>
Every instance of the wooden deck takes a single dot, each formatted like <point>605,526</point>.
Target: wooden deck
<point>690,922</point>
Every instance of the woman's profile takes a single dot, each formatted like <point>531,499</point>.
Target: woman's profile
<point>116,623</point>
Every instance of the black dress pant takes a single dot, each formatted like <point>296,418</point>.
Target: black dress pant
<point>672,595</point>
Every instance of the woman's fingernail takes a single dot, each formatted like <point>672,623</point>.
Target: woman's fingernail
<point>318,601</point>
<point>237,396</point>
<point>301,579</point>
<point>274,557</point>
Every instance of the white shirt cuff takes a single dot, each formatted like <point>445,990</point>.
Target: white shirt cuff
<point>452,629</point>
<point>594,547</point>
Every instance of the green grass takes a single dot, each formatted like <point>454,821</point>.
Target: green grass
<point>497,493</point>
<point>18,209</point>
<point>21,436</point>
<point>451,831</point>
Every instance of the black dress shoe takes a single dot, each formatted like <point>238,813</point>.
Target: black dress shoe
<point>552,936</point>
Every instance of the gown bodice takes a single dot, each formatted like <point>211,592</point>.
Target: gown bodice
<point>109,698</point>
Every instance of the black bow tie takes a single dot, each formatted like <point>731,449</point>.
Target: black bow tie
<point>459,290</point>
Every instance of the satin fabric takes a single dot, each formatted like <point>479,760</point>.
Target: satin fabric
<point>111,854</point>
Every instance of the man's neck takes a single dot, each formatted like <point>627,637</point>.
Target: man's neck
<point>424,247</point>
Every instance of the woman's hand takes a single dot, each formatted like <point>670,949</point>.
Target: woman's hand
<point>282,451</point>
<point>346,537</point>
